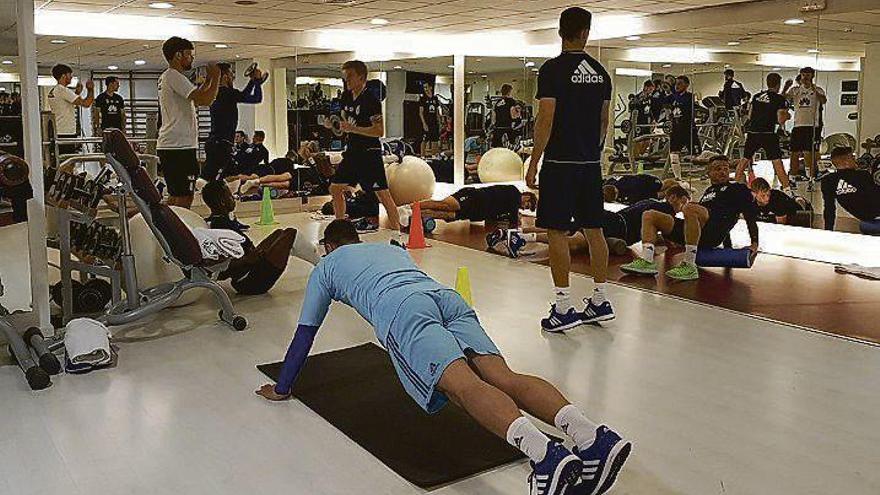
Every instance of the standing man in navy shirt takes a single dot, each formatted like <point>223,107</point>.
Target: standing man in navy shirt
<point>574,93</point>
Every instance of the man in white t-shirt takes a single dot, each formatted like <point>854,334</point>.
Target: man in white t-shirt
<point>807,99</point>
<point>178,141</point>
<point>63,102</point>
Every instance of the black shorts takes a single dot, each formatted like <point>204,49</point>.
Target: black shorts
<point>432,135</point>
<point>180,169</point>
<point>219,162</point>
<point>571,197</point>
<point>502,137</point>
<point>767,141</point>
<point>805,138</point>
<point>684,138</point>
<point>712,235</point>
<point>364,168</point>
<point>615,226</point>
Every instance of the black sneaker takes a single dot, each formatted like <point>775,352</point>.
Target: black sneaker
<point>366,226</point>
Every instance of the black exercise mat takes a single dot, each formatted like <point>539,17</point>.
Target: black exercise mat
<point>357,391</point>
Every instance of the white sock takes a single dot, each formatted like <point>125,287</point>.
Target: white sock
<point>531,237</point>
<point>690,254</point>
<point>563,299</point>
<point>525,436</point>
<point>599,293</point>
<point>200,183</point>
<point>574,424</point>
<point>233,185</point>
<point>648,251</point>
<point>395,235</point>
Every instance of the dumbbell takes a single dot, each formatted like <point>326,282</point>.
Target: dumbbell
<point>13,170</point>
<point>336,125</point>
<point>249,72</point>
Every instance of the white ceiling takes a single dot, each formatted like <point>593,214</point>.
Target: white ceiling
<point>836,35</point>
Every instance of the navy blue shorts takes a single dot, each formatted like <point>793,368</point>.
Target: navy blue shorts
<point>571,197</point>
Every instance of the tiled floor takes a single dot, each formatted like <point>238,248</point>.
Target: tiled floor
<point>717,402</point>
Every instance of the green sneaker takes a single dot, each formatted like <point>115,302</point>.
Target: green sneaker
<point>640,266</point>
<point>684,271</point>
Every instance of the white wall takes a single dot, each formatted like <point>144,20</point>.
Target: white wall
<point>870,85</point>
<point>396,88</point>
<point>835,116</point>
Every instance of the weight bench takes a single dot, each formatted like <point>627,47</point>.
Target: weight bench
<point>175,238</point>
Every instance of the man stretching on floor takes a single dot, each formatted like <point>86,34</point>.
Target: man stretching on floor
<point>492,204</point>
<point>574,97</point>
<point>441,352</point>
<point>705,225</point>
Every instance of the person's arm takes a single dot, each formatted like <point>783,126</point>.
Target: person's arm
<point>546,96</point>
<point>422,117</point>
<point>252,93</point>
<point>829,198</point>
<point>782,116</point>
<point>603,128</point>
<point>90,96</point>
<point>314,310</point>
<point>96,119</point>
<point>205,94</point>
<point>543,128</point>
<point>750,215</point>
<point>823,98</point>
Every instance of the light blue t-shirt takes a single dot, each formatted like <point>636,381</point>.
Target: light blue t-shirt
<point>372,278</point>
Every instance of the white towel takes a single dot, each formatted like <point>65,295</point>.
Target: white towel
<point>219,243</point>
<point>87,341</point>
<point>872,272</point>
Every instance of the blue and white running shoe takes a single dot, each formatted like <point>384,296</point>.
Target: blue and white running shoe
<point>602,462</point>
<point>494,237</point>
<point>366,225</point>
<point>557,473</point>
<point>558,322</point>
<point>515,244</point>
<point>594,313</point>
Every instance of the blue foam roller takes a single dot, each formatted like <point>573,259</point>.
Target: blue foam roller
<point>725,258</point>
<point>429,224</point>
<point>870,228</point>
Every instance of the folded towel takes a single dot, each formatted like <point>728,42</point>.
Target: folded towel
<point>219,243</point>
<point>87,342</point>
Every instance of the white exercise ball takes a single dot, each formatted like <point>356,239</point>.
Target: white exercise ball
<point>410,181</point>
<point>500,165</point>
<point>152,270</point>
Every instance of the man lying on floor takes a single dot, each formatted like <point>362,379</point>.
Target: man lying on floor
<point>622,228</point>
<point>441,352</point>
<point>774,206</point>
<point>492,204</point>
<point>634,188</point>
<point>706,224</point>
<point>281,173</point>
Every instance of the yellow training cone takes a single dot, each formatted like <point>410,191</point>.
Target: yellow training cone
<point>463,285</point>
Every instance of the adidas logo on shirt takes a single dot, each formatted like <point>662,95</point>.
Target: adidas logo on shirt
<point>843,187</point>
<point>586,74</point>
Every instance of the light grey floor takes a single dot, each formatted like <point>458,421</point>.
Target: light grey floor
<point>716,402</point>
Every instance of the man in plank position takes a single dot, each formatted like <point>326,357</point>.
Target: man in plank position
<point>441,352</point>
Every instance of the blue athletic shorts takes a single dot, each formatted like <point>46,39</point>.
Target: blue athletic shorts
<point>431,330</point>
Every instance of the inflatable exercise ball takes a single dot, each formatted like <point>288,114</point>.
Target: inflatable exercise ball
<point>152,270</point>
<point>500,165</point>
<point>412,180</point>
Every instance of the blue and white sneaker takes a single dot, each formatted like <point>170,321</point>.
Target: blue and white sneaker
<point>594,313</point>
<point>366,225</point>
<point>602,462</point>
<point>557,473</point>
<point>494,237</point>
<point>515,244</point>
<point>558,322</point>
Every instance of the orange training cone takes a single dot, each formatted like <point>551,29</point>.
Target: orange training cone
<point>416,229</point>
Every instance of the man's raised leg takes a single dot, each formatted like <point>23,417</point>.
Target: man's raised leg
<point>695,217</point>
<point>652,222</point>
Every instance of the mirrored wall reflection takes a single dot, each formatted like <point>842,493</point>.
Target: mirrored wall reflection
<point>416,98</point>
<point>500,116</point>
<point>15,184</point>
